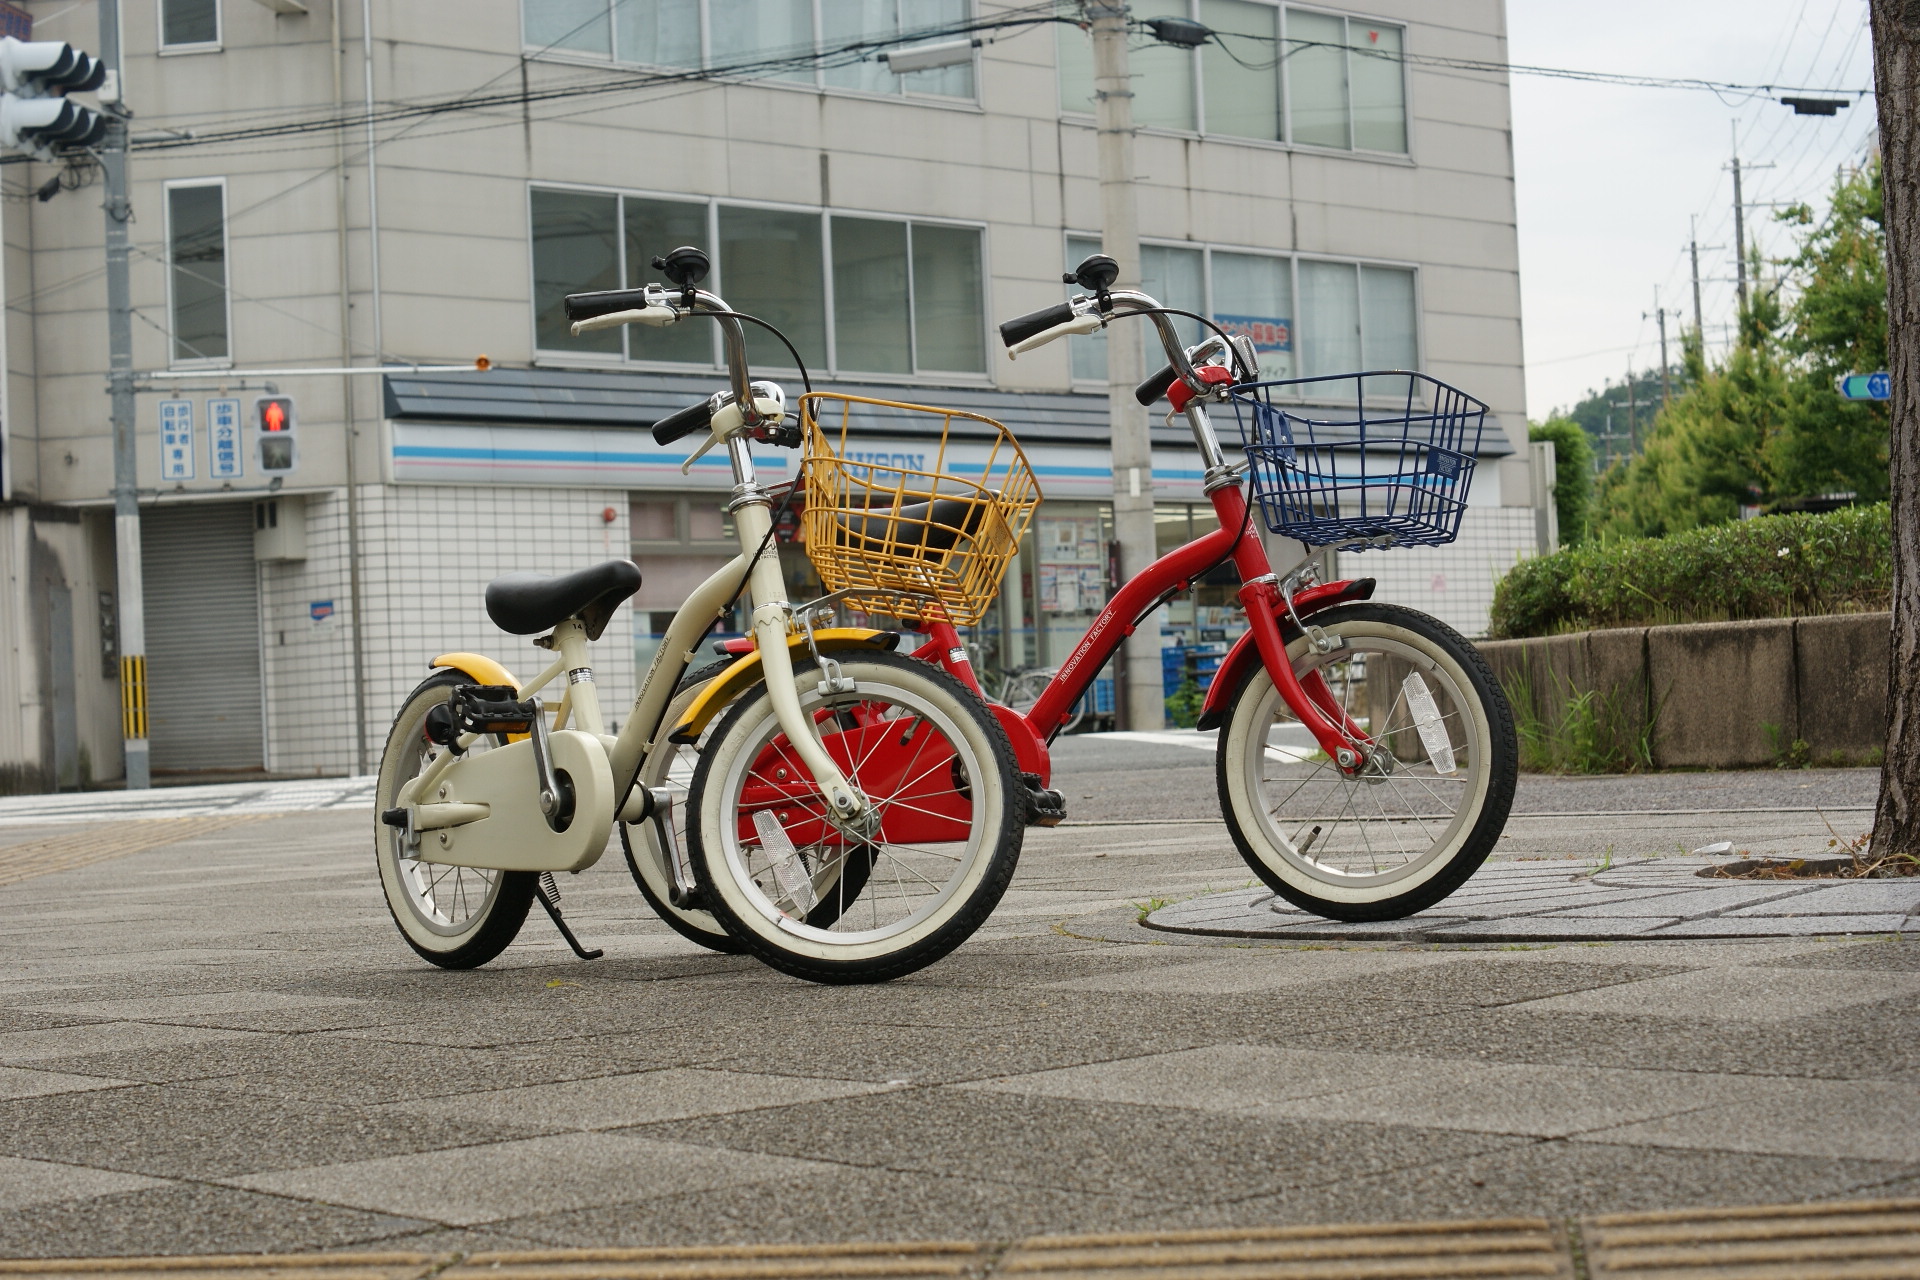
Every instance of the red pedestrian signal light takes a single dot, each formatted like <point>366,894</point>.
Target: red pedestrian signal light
<point>274,428</point>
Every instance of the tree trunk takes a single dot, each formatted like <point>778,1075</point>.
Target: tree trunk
<point>1896,73</point>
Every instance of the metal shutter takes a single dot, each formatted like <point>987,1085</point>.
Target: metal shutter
<point>203,637</point>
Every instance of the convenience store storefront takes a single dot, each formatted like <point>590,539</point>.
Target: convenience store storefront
<point>586,430</point>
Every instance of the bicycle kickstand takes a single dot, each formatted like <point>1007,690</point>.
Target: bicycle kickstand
<point>549,895</point>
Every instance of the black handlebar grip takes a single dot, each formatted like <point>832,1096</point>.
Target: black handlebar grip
<point>585,306</point>
<point>684,423</point>
<point>1020,328</point>
<point>1155,387</point>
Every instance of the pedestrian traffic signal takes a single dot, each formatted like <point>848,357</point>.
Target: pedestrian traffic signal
<point>274,431</point>
<point>35,116</point>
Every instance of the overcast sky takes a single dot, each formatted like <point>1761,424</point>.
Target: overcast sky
<point>1608,176</point>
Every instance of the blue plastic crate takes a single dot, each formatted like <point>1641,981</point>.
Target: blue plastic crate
<point>1098,700</point>
<point>1386,456</point>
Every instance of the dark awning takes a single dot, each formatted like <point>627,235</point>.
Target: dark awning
<point>590,398</point>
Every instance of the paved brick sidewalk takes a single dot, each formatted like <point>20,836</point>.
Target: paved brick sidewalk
<point>220,1045</point>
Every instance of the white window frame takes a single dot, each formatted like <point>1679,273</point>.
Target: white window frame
<point>716,283</point>
<point>226,258</point>
<point>1293,260</point>
<point>1406,87</point>
<point>199,46</point>
<point>1285,90</point>
<point>818,84</point>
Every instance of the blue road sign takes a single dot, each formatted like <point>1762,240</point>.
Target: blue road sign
<point>1867,386</point>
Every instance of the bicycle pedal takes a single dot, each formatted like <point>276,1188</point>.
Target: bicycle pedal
<point>1045,806</point>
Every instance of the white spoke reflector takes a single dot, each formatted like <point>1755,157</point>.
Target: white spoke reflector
<point>1428,722</point>
<point>792,873</point>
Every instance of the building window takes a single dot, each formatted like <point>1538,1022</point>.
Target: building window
<point>1350,315</point>
<point>197,270</point>
<point>189,23</point>
<point>854,292</point>
<point>757,39</point>
<point>1273,73</point>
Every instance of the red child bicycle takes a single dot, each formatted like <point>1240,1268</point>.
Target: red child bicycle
<point>1366,759</point>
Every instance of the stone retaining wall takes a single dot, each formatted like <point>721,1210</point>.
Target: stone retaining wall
<point>1719,695</point>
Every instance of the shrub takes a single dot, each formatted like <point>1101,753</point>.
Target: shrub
<point>1772,567</point>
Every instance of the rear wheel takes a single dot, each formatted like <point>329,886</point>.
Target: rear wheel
<point>940,773</point>
<point>456,917</point>
<point>672,768</point>
<point>1420,817</point>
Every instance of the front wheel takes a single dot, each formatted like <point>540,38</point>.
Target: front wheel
<point>1420,817</point>
<point>456,917</point>
<point>940,774</point>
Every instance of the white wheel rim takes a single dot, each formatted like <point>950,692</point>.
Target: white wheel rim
<point>1375,837</point>
<point>899,881</point>
<point>446,901</point>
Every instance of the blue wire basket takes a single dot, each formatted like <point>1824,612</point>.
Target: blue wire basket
<point>1385,456</point>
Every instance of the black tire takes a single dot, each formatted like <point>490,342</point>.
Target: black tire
<point>983,856</point>
<point>1378,642</point>
<point>696,924</point>
<point>412,896</point>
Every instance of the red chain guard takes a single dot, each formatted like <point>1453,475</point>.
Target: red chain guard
<point>906,766</point>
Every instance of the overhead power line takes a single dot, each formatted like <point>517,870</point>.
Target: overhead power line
<point>775,61</point>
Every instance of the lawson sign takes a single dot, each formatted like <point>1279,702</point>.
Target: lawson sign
<point>592,458</point>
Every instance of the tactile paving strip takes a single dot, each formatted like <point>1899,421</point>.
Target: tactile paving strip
<point>1449,1250</point>
<point>1780,1242</point>
<point>97,844</point>
<point>1872,1240</point>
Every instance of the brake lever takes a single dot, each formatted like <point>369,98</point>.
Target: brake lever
<point>686,468</point>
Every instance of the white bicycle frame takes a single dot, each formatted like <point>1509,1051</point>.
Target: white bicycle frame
<point>757,565</point>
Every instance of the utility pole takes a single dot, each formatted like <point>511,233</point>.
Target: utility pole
<point>1659,315</point>
<point>1145,703</point>
<point>1693,251</point>
<point>1740,221</point>
<point>131,606</point>
<point>1739,227</point>
<point>1632,405</point>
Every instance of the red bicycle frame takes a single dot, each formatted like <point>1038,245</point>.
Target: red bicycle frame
<point>1310,699</point>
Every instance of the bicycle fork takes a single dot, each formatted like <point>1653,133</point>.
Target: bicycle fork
<point>1336,733</point>
<point>771,620</point>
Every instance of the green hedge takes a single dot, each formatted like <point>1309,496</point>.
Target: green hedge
<point>1773,567</point>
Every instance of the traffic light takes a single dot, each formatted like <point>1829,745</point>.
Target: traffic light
<point>35,116</point>
<point>274,432</point>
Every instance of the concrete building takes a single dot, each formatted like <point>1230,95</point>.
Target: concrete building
<point>310,191</point>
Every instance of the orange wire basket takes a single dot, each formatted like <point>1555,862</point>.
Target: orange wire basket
<point>895,534</point>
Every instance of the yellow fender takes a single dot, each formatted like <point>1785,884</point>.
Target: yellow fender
<point>484,670</point>
<point>745,673</point>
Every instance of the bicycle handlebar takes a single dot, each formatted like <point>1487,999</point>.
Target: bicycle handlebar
<point>1035,323</point>
<point>1156,385</point>
<point>590,306</point>
<point>695,417</point>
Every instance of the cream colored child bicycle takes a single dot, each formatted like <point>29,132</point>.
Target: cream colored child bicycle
<point>863,808</point>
